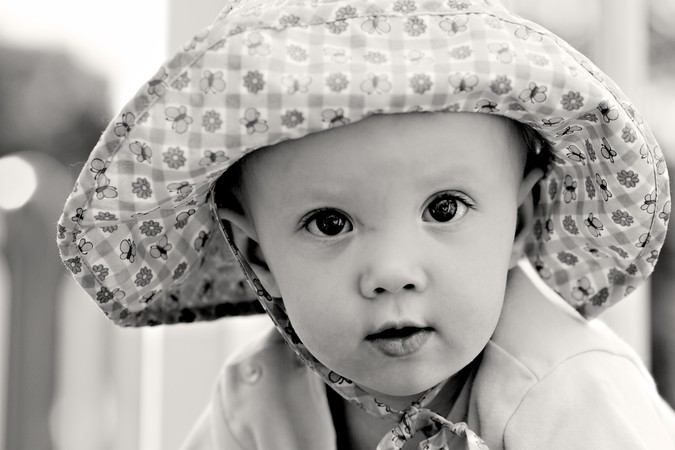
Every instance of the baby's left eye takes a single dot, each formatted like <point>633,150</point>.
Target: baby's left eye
<point>444,208</point>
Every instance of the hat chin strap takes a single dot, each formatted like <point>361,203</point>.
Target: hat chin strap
<point>438,430</point>
<point>416,418</point>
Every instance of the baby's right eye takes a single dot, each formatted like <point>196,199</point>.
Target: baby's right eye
<point>327,222</point>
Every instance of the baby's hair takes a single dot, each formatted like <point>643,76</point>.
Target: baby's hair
<point>538,149</point>
<point>538,153</point>
<point>229,192</point>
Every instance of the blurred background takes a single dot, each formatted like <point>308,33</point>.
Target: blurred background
<point>69,380</point>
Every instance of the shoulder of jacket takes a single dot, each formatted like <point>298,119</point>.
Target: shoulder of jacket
<point>264,363</point>
<point>538,331</point>
<point>251,398</point>
<point>568,386</point>
<point>539,342</point>
<point>262,377</point>
<point>265,393</point>
<point>597,399</point>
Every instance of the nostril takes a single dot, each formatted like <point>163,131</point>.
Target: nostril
<point>407,287</point>
<point>396,279</point>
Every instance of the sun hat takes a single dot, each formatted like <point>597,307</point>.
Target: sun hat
<point>137,231</point>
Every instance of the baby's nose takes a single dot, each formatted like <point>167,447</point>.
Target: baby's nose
<point>391,272</point>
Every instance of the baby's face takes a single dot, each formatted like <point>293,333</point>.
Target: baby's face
<point>390,241</point>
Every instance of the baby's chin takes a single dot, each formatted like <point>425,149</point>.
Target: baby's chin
<point>399,395</point>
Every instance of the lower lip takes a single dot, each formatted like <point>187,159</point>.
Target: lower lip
<point>399,347</point>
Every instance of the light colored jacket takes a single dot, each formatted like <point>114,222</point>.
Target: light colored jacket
<point>548,380</point>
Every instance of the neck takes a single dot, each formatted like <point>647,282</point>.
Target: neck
<point>364,431</point>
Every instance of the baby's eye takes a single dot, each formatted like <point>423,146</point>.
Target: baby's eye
<point>328,222</point>
<point>444,208</point>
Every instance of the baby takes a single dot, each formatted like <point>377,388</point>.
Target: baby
<point>380,170</point>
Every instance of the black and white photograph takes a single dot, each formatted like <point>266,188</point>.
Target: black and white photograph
<point>337,225</point>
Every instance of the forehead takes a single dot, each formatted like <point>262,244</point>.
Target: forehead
<point>422,145</point>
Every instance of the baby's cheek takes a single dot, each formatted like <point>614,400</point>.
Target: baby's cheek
<point>476,307</point>
<point>320,325</point>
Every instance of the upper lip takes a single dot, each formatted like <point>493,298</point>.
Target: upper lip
<point>394,326</point>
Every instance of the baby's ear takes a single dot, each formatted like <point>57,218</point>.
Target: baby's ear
<point>243,232</point>
<point>525,214</point>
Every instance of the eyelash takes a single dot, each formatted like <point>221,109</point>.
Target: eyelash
<point>462,204</point>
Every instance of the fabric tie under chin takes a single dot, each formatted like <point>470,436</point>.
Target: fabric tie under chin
<point>439,432</point>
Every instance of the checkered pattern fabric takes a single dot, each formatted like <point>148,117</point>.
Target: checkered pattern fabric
<point>137,231</point>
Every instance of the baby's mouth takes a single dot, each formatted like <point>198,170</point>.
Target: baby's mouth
<point>399,342</point>
<point>395,333</point>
